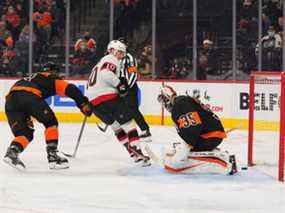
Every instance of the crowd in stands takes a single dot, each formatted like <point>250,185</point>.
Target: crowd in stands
<point>126,2</point>
<point>84,55</point>
<point>133,20</point>
<point>214,55</point>
<point>272,39</point>
<point>48,23</point>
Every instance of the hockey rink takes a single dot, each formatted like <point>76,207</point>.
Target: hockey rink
<point>103,179</point>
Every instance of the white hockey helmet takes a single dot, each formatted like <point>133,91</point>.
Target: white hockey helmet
<point>166,96</point>
<point>116,45</point>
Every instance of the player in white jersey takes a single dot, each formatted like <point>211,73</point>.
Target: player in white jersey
<point>105,90</point>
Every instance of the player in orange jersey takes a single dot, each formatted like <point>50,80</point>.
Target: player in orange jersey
<point>201,131</point>
<point>26,99</point>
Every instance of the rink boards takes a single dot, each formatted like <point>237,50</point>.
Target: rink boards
<point>227,99</point>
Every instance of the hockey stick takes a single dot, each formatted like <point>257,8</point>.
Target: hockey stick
<point>153,156</point>
<point>102,129</point>
<point>233,129</point>
<point>78,140</point>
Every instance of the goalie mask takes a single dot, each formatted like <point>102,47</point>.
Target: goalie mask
<point>166,97</point>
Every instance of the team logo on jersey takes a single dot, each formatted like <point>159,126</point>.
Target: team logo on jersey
<point>189,119</point>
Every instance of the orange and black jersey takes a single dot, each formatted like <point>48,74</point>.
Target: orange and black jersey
<point>193,120</point>
<point>46,84</point>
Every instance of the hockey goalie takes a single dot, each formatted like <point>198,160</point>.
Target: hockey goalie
<point>201,131</point>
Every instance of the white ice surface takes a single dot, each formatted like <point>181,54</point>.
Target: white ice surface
<point>103,179</point>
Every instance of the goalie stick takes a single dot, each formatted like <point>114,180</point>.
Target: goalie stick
<point>153,156</point>
<point>234,128</point>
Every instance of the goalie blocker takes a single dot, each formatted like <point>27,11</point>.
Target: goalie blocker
<point>202,132</point>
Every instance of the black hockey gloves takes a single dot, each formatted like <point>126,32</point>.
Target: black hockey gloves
<point>123,87</point>
<point>86,107</point>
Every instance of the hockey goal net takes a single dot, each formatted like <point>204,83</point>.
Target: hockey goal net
<point>266,122</point>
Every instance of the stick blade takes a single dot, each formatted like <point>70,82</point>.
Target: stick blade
<point>68,155</point>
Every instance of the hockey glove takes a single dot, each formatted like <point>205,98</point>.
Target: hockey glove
<point>123,87</point>
<point>86,107</point>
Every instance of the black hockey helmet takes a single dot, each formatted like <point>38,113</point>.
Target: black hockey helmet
<point>50,67</point>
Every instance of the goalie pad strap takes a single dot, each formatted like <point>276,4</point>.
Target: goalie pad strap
<point>211,160</point>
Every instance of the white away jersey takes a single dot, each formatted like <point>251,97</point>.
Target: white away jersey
<point>103,80</point>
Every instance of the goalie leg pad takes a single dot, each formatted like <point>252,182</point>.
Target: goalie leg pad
<point>203,162</point>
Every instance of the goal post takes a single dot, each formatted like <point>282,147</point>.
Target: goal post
<point>261,83</point>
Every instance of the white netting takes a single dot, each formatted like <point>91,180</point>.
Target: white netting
<point>267,93</point>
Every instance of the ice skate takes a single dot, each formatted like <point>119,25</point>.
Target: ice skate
<point>145,136</point>
<point>12,159</point>
<point>139,157</point>
<point>55,161</point>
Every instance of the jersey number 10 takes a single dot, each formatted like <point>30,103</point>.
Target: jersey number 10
<point>92,78</point>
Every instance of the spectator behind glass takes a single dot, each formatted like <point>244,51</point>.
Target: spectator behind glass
<point>145,61</point>
<point>13,22</point>
<point>84,58</point>
<point>42,19</point>
<point>246,39</point>
<point>280,24</point>
<point>25,34</point>
<point>248,9</point>
<point>266,23</point>
<point>9,63</point>
<point>180,68</point>
<point>57,9</point>
<point>22,46</point>
<point>207,60</point>
<point>5,36</point>
<point>85,43</point>
<point>271,50</point>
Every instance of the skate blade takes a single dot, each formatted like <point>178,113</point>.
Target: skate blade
<point>146,164</point>
<point>146,139</point>
<point>143,163</point>
<point>18,167</point>
<point>55,166</point>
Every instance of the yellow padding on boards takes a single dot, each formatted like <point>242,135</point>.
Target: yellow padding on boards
<point>156,120</point>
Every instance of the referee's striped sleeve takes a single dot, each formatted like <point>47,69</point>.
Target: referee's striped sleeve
<point>132,76</point>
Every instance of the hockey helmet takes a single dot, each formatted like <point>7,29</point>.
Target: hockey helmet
<point>124,41</point>
<point>116,45</point>
<point>50,67</point>
<point>166,96</point>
